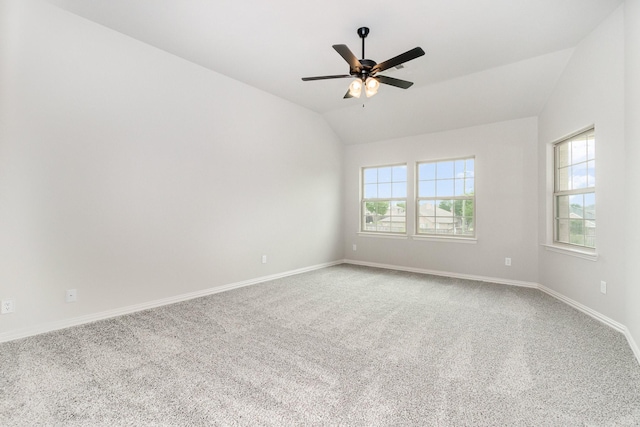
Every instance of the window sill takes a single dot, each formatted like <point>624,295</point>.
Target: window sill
<point>382,235</point>
<point>447,239</point>
<point>590,256</point>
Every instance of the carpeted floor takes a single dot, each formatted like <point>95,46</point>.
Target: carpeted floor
<point>344,345</point>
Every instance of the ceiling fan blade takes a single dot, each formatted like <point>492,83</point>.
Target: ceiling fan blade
<point>338,76</point>
<point>403,84</point>
<point>397,60</point>
<point>347,95</point>
<point>354,63</point>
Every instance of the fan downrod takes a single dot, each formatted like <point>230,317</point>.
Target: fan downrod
<point>363,32</point>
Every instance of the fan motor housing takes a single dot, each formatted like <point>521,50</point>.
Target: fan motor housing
<point>367,65</point>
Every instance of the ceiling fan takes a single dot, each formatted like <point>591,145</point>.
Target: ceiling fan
<point>365,70</point>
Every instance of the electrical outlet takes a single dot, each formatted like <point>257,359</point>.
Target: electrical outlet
<point>6,306</point>
<point>71,295</point>
<point>603,286</point>
<point>507,262</point>
<point>355,247</point>
<point>264,259</point>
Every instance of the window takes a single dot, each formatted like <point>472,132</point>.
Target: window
<point>574,190</point>
<point>384,199</point>
<point>446,198</point>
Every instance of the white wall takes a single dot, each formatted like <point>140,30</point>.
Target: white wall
<point>590,92</point>
<point>632,137</point>
<point>133,175</point>
<point>506,200</point>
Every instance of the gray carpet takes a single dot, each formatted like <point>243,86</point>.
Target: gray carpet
<point>344,345</point>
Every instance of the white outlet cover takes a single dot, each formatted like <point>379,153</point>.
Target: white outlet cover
<point>6,306</point>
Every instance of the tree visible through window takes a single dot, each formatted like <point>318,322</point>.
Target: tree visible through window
<point>446,198</point>
<point>384,199</point>
<point>574,190</point>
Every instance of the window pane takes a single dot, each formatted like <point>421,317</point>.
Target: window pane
<point>444,170</point>
<point>444,225</point>
<point>427,171</point>
<point>470,167</point>
<point>445,208</point>
<point>377,209</point>
<point>370,191</point>
<point>563,230</point>
<point>368,223</point>
<point>384,174</point>
<point>591,174</point>
<point>459,168</point>
<point>562,180</point>
<point>579,150</point>
<point>384,182</point>
<point>399,173</point>
<point>590,234</point>
<point>591,147</point>
<point>384,190</point>
<point>562,206</point>
<point>399,190</point>
<point>444,188</point>
<point>468,186</point>
<point>576,207</point>
<point>579,176</point>
<point>397,217</point>
<point>467,209</point>
<point>459,187</point>
<point>398,208</point>
<point>562,154</point>
<point>370,175</point>
<point>576,235</point>
<point>590,206</point>
<point>427,189</point>
<point>446,215</point>
<point>468,225</point>
<point>427,207</point>
<point>427,224</point>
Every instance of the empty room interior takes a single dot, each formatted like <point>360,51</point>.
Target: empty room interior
<point>332,213</point>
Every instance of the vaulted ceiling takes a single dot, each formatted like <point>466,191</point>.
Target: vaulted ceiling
<point>486,60</point>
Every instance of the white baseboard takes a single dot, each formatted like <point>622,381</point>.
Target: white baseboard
<point>583,308</point>
<point>578,306</point>
<point>62,324</point>
<point>632,344</point>
<point>446,274</point>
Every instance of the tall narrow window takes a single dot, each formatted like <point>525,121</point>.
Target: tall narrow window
<point>575,190</point>
<point>384,199</point>
<point>446,198</point>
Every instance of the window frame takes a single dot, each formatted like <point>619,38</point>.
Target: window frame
<point>418,199</point>
<point>364,200</point>
<point>556,193</point>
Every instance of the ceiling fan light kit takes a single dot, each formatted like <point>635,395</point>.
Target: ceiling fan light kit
<point>365,70</point>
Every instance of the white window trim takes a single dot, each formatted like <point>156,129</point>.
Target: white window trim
<point>570,251</point>
<point>578,251</point>
<point>435,237</point>
<point>383,235</point>
<point>447,239</point>
<point>401,235</point>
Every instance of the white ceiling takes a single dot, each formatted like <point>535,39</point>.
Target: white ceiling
<point>486,60</point>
